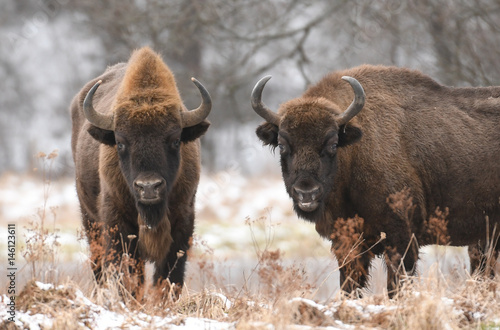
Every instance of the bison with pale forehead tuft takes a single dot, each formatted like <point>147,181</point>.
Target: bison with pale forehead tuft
<point>137,161</point>
<point>440,145</point>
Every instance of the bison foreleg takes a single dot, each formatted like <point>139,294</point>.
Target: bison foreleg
<point>400,261</point>
<point>483,263</point>
<point>174,265</point>
<point>353,270</point>
<point>122,254</point>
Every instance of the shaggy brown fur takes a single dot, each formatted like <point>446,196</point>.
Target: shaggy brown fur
<point>441,143</point>
<point>148,143</point>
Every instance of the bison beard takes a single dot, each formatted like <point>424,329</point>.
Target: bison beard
<point>312,216</point>
<point>155,243</point>
<point>153,214</point>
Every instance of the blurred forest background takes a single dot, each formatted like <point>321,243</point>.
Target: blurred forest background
<point>50,48</point>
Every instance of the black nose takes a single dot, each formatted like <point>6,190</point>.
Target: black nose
<point>149,189</point>
<point>307,194</point>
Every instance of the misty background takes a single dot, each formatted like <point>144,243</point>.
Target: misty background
<point>50,48</point>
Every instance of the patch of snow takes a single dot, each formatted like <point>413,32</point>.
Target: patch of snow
<point>33,322</point>
<point>202,323</point>
<point>44,286</point>
<point>309,302</point>
<point>377,309</point>
<point>342,325</point>
<point>477,315</point>
<point>224,299</point>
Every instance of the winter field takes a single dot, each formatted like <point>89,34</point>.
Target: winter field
<point>254,265</point>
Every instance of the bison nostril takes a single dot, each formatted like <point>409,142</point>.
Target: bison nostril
<point>146,184</point>
<point>158,184</point>
<point>149,189</point>
<point>311,194</point>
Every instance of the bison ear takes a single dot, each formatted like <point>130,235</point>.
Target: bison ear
<point>268,134</point>
<point>193,132</point>
<point>349,134</point>
<point>102,135</point>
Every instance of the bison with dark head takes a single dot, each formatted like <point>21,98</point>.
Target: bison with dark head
<point>137,161</point>
<point>343,154</point>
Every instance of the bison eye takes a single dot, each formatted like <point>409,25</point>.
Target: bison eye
<point>120,147</point>
<point>176,143</point>
<point>330,150</point>
<point>283,146</point>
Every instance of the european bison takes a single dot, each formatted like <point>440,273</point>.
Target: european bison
<point>439,145</point>
<point>137,161</point>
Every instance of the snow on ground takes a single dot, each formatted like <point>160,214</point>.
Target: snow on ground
<point>97,317</point>
<point>63,305</point>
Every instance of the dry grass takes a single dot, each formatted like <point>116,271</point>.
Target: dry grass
<point>41,239</point>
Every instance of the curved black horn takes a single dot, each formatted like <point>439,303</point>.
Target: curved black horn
<point>196,116</point>
<point>95,118</point>
<point>260,108</point>
<point>356,105</point>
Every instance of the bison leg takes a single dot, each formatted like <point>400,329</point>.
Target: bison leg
<point>482,263</point>
<point>122,253</point>
<point>400,261</point>
<point>96,246</point>
<point>173,268</point>
<point>174,265</point>
<point>353,270</point>
<point>93,231</point>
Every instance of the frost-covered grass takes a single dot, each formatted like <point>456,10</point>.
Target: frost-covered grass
<point>253,265</point>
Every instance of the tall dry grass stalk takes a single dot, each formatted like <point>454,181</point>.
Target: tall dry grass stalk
<point>41,238</point>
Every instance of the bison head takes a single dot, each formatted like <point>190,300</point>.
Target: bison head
<point>309,131</point>
<point>147,127</point>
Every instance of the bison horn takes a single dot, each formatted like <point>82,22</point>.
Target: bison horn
<point>95,118</point>
<point>196,116</point>
<point>356,105</point>
<point>260,108</point>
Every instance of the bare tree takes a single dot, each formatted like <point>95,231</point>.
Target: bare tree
<point>454,41</point>
<point>465,37</point>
